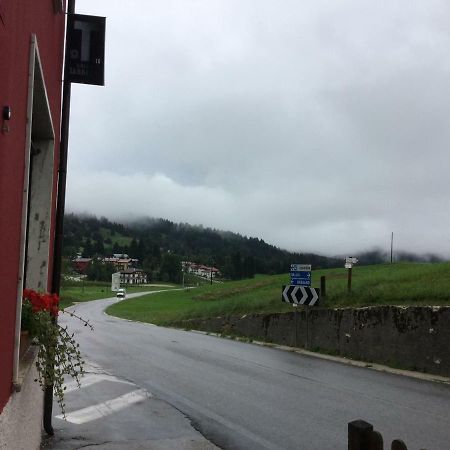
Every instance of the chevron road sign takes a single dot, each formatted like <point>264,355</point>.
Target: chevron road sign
<point>300,295</point>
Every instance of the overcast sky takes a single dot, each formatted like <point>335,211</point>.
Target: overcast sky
<point>315,125</point>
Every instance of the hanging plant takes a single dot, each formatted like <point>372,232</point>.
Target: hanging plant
<point>58,352</point>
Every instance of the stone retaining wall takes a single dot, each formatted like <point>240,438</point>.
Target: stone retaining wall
<point>414,338</point>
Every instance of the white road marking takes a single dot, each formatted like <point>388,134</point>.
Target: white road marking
<point>104,409</point>
<point>90,379</point>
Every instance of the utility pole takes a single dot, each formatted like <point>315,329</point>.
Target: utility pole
<point>392,245</point>
<point>211,270</point>
<point>93,75</point>
<point>59,220</point>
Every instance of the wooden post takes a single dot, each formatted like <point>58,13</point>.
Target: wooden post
<point>376,441</point>
<point>349,279</point>
<point>359,432</point>
<point>398,445</point>
<point>323,286</point>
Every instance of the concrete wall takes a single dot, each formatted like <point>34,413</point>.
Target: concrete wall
<point>21,419</point>
<point>415,338</point>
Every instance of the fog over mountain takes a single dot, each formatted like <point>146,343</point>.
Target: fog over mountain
<point>317,126</point>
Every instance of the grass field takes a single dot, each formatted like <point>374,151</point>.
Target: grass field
<point>389,284</point>
<point>78,291</point>
<point>116,238</point>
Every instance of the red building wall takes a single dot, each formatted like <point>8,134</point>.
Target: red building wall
<point>18,21</point>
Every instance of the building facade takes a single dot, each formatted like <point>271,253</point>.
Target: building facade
<point>81,265</point>
<point>133,276</point>
<point>31,61</point>
<point>200,270</point>
<point>121,262</point>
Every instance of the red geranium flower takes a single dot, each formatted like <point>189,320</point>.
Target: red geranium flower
<point>42,302</point>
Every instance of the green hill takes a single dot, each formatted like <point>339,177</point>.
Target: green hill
<point>153,240</point>
<point>388,284</point>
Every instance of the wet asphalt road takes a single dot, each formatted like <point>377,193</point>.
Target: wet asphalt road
<point>245,396</point>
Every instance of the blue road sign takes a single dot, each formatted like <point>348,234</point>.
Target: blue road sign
<point>300,274</point>
<point>300,267</point>
<point>300,281</point>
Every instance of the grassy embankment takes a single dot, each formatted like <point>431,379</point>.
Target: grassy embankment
<point>116,238</point>
<point>388,284</point>
<point>83,291</point>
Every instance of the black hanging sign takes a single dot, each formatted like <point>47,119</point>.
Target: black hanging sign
<point>85,49</point>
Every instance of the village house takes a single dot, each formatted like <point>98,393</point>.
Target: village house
<point>200,270</point>
<point>133,276</point>
<point>121,261</point>
<point>81,265</point>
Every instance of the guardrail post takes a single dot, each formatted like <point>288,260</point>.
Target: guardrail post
<point>359,432</point>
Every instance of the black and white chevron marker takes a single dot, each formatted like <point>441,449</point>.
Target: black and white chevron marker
<point>300,295</point>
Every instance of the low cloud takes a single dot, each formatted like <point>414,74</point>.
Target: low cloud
<point>265,214</point>
<point>316,127</point>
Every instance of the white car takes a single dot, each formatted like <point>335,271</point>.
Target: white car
<point>121,294</point>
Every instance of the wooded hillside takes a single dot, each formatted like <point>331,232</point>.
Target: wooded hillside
<point>156,241</point>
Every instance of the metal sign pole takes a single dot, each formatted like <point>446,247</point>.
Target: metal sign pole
<point>307,327</point>
<point>296,324</point>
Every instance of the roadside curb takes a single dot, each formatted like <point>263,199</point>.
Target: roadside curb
<point>338,359</point>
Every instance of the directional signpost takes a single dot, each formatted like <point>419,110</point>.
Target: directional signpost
<point>300,274</point>
<point>300,292</point>
<point>349,261</point>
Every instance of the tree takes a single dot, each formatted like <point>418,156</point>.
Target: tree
<point>236,261</point>
<point>249,267</point>
<point>228,269</point>
<point>133,249</point>
<point>141,250</point>
<point>170,269</point>
<point>98,247</point>
<point>70,251</point>
<point>100,271</point>
<point>87,249</point>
